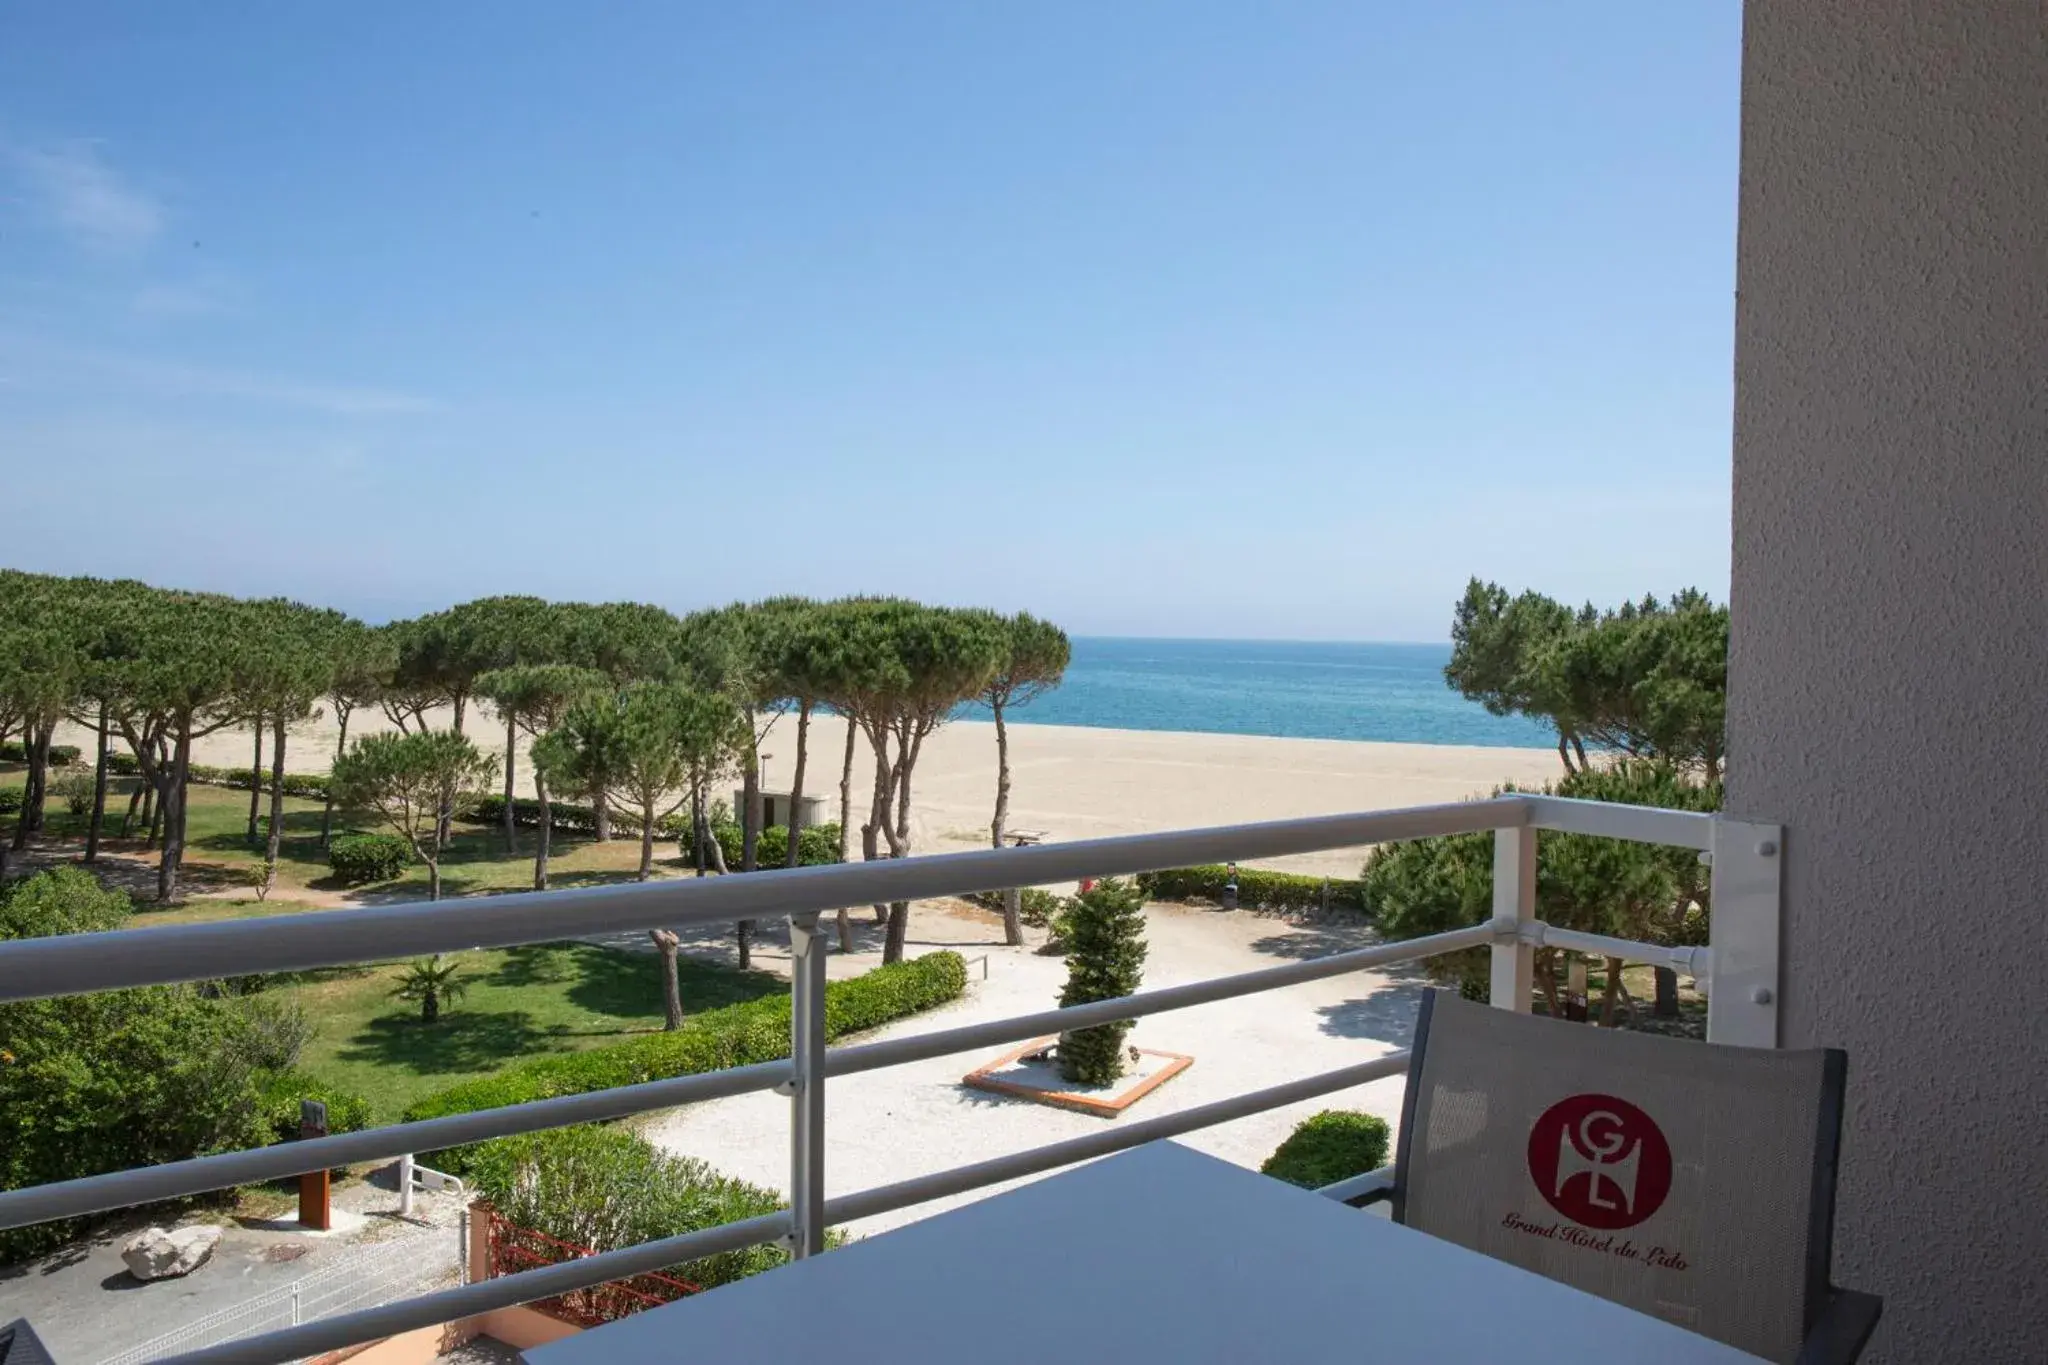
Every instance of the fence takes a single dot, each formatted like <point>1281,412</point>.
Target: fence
<point>514,1249</point>
<point>1739,967</point>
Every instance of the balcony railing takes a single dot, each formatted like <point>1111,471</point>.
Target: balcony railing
<point>1738,969</point>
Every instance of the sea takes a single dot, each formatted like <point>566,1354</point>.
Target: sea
<point>1267,687</point>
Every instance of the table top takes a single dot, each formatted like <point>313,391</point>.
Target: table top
<point>1157,1254</point>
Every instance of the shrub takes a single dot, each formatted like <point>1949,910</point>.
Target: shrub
<point>608,1188</point>
<point>1036,906</point>
<point>125,764</point>
<point>817,845</point>
<point>61,755</point>
<point>737,1035</point>
<point>1105,959</point>
<point>1256,889</point>
<point>367,857</point>
<point>76,789</point>
<point>10,800</point>
<point>119,1079</point>
<point>1334,1145</point>
<point>347,1112</point>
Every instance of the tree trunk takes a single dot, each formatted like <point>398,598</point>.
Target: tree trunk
<point>1564,752</point>
<point>276,831</point>
<point>1666,1006</point>
<point>1579,747</point>
<point>846,790</point>
<point>666,942</point>
<point>255,778</point>
<point>646,841</point>
<point>547,830</point>
<point>750,834</point>
<point>153,810</point>
<point>1013,925</point>
<point>511,760</point>
<point>795,824</point>
<point>172,810</point>
<point>995,827</point>
<point>899,932</point>
<point>870,833</point>
<point>446,822</point>
<point>1611,996</point>
<point>1546,978</point>
<point>433,876</point>
<point>28,791</point>
<point>30,820</point>
<point>899,847</point>
<point>134,804</point>
<point>341,714</point>
<point>700,830</point>
<point>430,1006</point>
<point>845,932</point>
<point>99,790</point>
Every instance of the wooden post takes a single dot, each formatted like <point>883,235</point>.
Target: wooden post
<point>314,1210</point>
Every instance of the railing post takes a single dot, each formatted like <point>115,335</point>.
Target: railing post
<point>1514,907</point>
<point>807,1085</point>
<point>1742,996</point>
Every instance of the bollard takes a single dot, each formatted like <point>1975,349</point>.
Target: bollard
<point>314,1210</point>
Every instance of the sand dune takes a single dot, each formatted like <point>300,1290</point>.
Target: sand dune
<point>1070,781</point>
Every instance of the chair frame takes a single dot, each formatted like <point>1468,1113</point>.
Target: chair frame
<point>1839,1322</point>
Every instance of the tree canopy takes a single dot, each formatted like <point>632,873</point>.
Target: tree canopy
<point>1648,679</point>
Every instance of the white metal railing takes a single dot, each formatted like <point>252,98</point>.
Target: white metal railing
<point>1739,968</point>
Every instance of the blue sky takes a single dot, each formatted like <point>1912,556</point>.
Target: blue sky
<point>1193,319</point>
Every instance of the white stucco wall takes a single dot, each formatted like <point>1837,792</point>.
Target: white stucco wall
<point>1889,670</point>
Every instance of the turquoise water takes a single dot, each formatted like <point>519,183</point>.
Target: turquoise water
<point>1264,687</point>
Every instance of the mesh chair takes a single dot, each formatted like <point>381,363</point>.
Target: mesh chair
<point>1689,1181</point>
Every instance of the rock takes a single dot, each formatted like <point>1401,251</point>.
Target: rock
<point>156,1254</point>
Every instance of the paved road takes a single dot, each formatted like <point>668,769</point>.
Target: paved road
<point>87,1307</point>
<point>889,1125</point>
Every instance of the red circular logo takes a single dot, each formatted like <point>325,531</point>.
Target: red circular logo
<point>1600,1161</point>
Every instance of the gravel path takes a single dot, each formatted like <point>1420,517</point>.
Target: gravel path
<point>889,1125</point>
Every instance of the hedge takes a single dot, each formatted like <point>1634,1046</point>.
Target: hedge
<point>608,1188</point>
<point>1256,889</point>
<point>817,845</point>
<point>572,818</point>
<point>311,786</point>
<point>61,755</point>
<point>367,857</point>
<point>1334,1145</point>
<point>737,1035</point>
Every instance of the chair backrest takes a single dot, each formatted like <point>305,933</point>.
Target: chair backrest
<point>1690,1181</point>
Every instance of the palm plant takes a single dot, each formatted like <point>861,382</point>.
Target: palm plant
<point>430,980</point>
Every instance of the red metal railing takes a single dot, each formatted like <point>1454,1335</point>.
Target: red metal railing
<point>514,1248</point>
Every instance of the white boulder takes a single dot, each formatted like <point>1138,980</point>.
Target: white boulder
<point>157,1254</point>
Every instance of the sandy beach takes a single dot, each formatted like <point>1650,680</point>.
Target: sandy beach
<point>1071,782</point>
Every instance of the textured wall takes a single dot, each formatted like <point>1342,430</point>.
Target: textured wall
<point>1889,668</point>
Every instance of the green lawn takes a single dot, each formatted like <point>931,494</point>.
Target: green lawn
<point>521,1002</point>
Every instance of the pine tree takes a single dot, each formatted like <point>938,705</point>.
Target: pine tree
<point>1105,960</point>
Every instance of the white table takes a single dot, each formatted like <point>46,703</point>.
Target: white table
<point>1159,1254</point>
